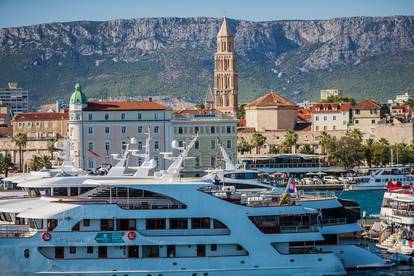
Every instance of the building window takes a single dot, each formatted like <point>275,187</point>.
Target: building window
<point>106,129</point>
<point>197,162</point>
<point>325,128</point>
<point>90,146</point>
<point>325,118</point>
<point>78,117</point>
<point>91,163</point>
<point>356,122</point>
<point>123,145</point>
<point>316,118</point>
<point>155,116</point>
<point>156,129</point>
<point>107,146</point>
<point>139,145</point>
<point>196,129</point>
<point>228,129</point>
<point>212,129</point>
<point>334,118</point>
<point>357,112</point>
<point>19,124</point>
<point>229,144</point>
<point>212,161</point>
<point>90,130</point>
<point>37,124</point>
<point>157,145</point>
<point>213,144</point>
<point>197,144</point>
<point>122,116</point>
<point>106,116</point>
<point>139,161</point>
<point>373,122</point>
<point>180,130</point>
<point>139,130</point>
<point>139,116</point>
<point>123,129</point>
<point>90,116</point>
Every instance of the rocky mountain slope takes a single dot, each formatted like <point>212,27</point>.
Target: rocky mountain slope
<point>364,56</point>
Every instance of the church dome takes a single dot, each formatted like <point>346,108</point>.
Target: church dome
<point>78,97</point>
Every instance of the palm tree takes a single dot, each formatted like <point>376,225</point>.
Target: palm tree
<point>306,149</point>
<point>354,133</point>
<point>258,141</point>
<point>384,142</point>
<point>20,140</point>
<point>35,163</point>
<point>45,160</point>
<point>5,164</point>
<point>290,140</point>
<point>51,147</point>
<point>324,140</point>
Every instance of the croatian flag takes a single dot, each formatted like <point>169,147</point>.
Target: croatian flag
<point>291,187</point>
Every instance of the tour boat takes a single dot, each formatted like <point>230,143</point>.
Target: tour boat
<point>397,219</point>
<point>378,180</point>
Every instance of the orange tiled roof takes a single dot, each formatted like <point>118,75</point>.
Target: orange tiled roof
<point>4,131</point>
<point>304,114</point>
<point>330,107</point>
<point>114,106</point>
<point>367,104</point>
<point>271,99</point>
<point>41,116</point>
<point>242,123</point>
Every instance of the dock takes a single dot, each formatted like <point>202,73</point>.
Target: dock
<point>321,187</point>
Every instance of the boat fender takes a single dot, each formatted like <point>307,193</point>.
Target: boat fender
<point>46,236</point>
<point>131,235</point>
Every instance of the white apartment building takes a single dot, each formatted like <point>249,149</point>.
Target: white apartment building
<point>330,116</point>
<point>99,129</point>
<point>325,93</point>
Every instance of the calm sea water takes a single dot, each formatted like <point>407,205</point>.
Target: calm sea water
<point>370,201</point>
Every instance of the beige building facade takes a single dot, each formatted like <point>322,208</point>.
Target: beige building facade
<point>212,127</point>
<point>271,112</point>
<point>326,93</point>
<point>330,116</point>
<point>41,125</point>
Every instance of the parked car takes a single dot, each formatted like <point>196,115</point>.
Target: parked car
<point>329,179</point>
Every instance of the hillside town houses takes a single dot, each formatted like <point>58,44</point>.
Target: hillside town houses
<point>100,129</point>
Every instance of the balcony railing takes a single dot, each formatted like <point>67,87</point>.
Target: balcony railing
<point>185,232</point>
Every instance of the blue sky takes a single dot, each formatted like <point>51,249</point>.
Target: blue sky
<point>28,12</point>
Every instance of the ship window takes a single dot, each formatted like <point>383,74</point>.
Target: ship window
<point>51,224</point>
<point>26,253</point>
<point>201,250</point>
<point>72,250</point>
<point>150,251</point>
<point>171,251</point>
<point>178,223</point>
<point>218,224</point>
<point>59,252</point>
<point>60,191</point>
<point>200,223</point>
<point>89,249</point>
<point>102,252</point>
<point>239,247</point>
<point>107,225</point>
<point>213,247</point>
<point>76,227</point>
<point>74,191</point>
<point>133,251</point>
<point>86,222</point>
<point>155,224</point>
<point>125,224</point>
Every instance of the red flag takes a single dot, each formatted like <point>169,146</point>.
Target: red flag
<point>94,153</point>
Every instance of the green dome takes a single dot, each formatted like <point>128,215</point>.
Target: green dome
<point>78,97</point>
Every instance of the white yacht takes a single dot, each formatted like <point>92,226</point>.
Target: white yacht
<point>378,180</point>
<point>397,220</point>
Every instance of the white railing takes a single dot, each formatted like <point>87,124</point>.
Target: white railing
<point>184,232</point>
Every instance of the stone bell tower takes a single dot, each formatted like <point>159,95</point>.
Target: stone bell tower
<point>225,72</point>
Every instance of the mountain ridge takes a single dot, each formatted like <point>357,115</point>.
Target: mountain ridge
<point>175,56</point>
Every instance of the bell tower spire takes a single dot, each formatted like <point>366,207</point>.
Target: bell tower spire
<point>225,72</point>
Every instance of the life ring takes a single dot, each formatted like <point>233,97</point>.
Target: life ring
<point>131,235</point>
<point>46,236</point>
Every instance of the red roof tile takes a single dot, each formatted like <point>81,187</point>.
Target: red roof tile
<point>269,100</point>
<point>41,116</point>
<point>367,104</point>
<point>114,106</point>
<point>242,123</point>
<point>330,107</point>
<point>4,131</point>
<point>304,114</point>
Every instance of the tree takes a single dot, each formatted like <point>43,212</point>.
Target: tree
<point>243,146</point>
<point>51,147</point>
<point>241,111</point>
<point>306,149</point>
<point>339,99</point>
<point>200,105</point>
<point>258,140</point>
<point>355,134</point>
<point>290,139</point>
<point>346,152</point>
<point>273,149</point>
<point>20,140</point>
<point>368,151</point>
<point>35,163</point>
<point>5,164</point>
<point>324,140</point>
<point>381,153</point>
<point>46,163</point>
